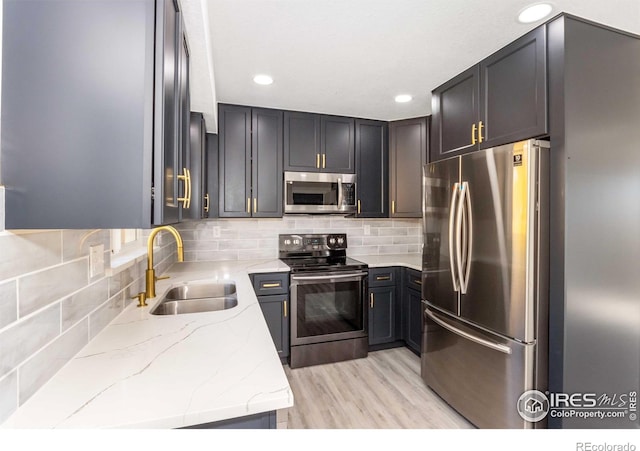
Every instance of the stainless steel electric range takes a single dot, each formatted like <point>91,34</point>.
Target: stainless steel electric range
<point>328,295</point>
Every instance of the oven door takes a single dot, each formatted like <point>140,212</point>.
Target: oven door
<point>328,306</point>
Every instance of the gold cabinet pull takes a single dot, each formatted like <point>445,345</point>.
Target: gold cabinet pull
<point>271,285</point>
<point>383,277</point>
<point>324,160</point>
<point>318,160</point>
<point>206,203</point>
<point>371,300</point>
<point>186,177</point>
<point>393,207</point>
<point>255,204</point>
<point>473,134</point>
<point>248,205</point>
<point>189,186</point>
<point>358,206</point>
<point>480,139</point>
<point>418,282</point>
<point>285,308</point>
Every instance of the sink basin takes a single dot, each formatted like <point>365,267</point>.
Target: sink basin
<point>200,291</point>
<point>169,307</point>
<point>197,298</point>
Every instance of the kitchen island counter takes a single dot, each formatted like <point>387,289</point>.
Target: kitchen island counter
<point>148,371</point>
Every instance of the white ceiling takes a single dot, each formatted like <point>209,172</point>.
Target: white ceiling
<point>351,57</point>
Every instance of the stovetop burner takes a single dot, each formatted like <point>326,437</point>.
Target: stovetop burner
<point>317,252</point>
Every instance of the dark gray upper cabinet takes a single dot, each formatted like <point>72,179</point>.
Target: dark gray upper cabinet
<point>513,94</point>
<point>502,99</point>
<point>211,196</point>
<point>316,143</point>
<point>455,109</point>
<point>250,162</point>
<point>90,108</point>
<point>407,154</point>
<point>301,142</point>
<point>234,167</point>
<point>337,138</point>
<point>198,169</point>
<point>267,173</point>
<point>372,163</point>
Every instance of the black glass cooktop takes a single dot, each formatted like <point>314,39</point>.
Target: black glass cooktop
<point>301,264</point>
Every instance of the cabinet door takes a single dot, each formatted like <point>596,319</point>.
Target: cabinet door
<point>301,142</point>
<point>407,154</point>
<point>212,174</point>
<point>275,311</point>
<point>372,164</point>
<point>337,138</point>
<point>513,96</point>
<point>413,322</point>
<point>167,163</point>
<point>198,168</point>
<point>455,112</point>
<point>267,175</point>
<point>234,168</point>
<point>382,315</point>
<point>188,208</point>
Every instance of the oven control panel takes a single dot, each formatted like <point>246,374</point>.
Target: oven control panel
<point>312,242</point>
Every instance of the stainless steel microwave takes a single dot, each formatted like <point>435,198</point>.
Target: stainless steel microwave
<point>319,192</point>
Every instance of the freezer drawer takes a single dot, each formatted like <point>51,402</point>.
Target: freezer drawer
<point>479,374</point>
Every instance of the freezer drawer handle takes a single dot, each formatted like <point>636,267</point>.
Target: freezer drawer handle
<point>481,341</point>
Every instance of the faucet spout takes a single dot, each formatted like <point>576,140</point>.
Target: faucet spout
<point>150,274</point>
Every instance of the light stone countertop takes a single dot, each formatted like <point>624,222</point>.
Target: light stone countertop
<point>147,371</point>
<point>413,261</point>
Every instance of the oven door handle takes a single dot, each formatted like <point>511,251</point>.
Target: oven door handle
<point>330,277</point>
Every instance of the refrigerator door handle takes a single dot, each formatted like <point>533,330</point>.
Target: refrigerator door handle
<point>458,236</point>
<point>481,341</point>
<point>453,236</point>
<point>468,225</point>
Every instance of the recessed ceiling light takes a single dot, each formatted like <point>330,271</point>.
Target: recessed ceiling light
<point>403,98</point>
<point>533,13</point>
<point>263,79</point>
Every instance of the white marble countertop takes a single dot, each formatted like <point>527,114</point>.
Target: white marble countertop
<point>147,371</point>
<point>413,261</point>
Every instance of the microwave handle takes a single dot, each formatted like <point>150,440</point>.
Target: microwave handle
<point>340,193</point>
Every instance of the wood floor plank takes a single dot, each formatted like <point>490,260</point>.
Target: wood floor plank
<point>382,391</point>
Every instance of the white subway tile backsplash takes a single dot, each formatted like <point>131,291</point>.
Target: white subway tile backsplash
<point>254,239</point>
<point>24,338</point>
<point>40,289</point>
<point>8,303</point>
<point>48,361</point>
<point>8,395</point>
<point>99,319</point>
<point>26,252</point>
<point>76,243</point>
<point>79,305</point>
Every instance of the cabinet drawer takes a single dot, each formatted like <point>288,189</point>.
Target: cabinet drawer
<point>271,283</point>
<point>379,277</point>
<point>414,279</point>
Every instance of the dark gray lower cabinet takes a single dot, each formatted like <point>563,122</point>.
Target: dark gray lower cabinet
<point>275,311</point>
<point>412,309</point>
<point>272,290</point>
<point>264,420</point>
<point>382,313</point>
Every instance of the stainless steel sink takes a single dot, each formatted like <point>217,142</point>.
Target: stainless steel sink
<point>200,291</point>
<point>196,298</point>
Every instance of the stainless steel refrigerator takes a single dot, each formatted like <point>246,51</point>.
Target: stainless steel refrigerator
<point>485,280</point>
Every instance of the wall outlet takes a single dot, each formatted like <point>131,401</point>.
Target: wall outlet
<point>216,231</point>
<point>96,260</point>
<point>367,229</point>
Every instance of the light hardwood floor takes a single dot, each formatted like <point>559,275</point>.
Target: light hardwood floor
<point>382,391</point>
